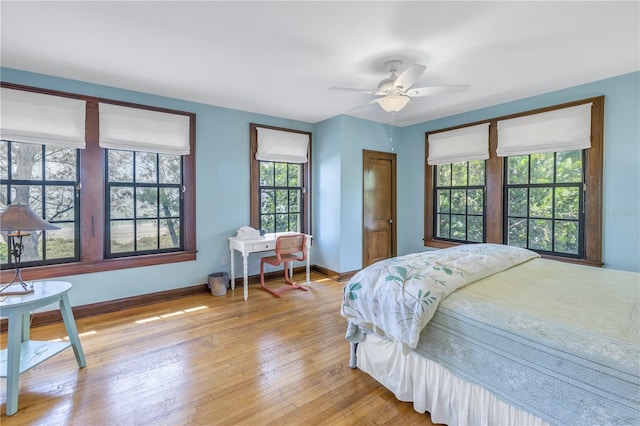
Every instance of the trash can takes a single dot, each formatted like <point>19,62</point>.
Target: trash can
<point>218,282</point>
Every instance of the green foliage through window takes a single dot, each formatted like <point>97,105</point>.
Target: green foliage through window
<point>281,194</point>
<point>544,201</point>
<point>459,201</point>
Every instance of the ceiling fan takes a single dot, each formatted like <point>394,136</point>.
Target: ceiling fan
<point>395,91</point>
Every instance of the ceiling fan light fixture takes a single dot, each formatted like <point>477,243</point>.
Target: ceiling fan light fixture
<point>393,102</point>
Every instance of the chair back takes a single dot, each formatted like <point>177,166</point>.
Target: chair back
<point>290,244</point>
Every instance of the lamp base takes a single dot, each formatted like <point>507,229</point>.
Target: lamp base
<point>15,290</point>
<point>17,286</point>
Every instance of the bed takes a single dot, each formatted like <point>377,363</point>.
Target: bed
<point>492,334</point>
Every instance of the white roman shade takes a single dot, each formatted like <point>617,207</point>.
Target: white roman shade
<point>464,144</point>
<point>281,146</point>
<point>42,119</point>
<point>136,129</point>
<point>563,129</point>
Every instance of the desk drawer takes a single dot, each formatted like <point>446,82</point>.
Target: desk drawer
<point>267,245</point>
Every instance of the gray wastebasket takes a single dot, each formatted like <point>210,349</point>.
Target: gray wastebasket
<point>218,282</point>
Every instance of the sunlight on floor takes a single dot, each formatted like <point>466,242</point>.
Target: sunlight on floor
<point>85,334</point>
<point>171,314</point>
<point>197,308</point>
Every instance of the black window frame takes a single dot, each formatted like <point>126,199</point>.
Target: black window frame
<point>275,188</point>
<point>466,188</point>
<point>43,183</point>
<point>135,185</point>
<point>553,185</point>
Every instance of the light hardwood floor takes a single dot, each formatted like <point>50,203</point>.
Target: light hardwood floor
<point>206,360</point>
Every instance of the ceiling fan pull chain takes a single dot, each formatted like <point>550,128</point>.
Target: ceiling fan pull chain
<point>393,114</point>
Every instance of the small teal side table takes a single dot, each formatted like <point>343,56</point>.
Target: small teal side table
<point>21,353</point>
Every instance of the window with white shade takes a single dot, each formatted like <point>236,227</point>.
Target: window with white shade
<point>543,181</point>
<point>280,179</point>
<point>458,157</point>
<point>144,179</point>
<point>77,169</point>
<point>40,139</point>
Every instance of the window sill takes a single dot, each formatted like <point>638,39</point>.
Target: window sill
<point>440,244</point>
<point>77,268</point>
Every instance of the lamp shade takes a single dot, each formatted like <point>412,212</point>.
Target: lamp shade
<point>19,217</point>
<point>393,102</point>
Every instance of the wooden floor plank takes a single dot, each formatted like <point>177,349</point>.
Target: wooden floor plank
<point>210,360</point>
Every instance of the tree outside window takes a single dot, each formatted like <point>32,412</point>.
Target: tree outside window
<point>144,203</point>
<point>281,208</point>
<point>45,178</point>
<point>459,201</point>
<point>544,200</point>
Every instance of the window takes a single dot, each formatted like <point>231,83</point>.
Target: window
<point>549,202</point>
<point>280,199</point>
<point>281,194</point>
<point>117,208</point>
<point>143,203</point>
<point>43,177</point>
<point>544,200</point>
<point>459,201</point>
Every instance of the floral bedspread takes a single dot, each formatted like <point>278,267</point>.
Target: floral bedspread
<point>397,297</point>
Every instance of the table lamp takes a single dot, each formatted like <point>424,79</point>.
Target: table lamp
<point>16,219</point>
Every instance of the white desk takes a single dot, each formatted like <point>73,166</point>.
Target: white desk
<point>246,247</point>
<point>21,353</point>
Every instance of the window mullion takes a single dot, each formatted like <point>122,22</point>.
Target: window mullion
<point>288,198</point>
<point>158,188</point>
<point>43,211</point>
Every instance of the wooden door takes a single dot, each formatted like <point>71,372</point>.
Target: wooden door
<point>379,206</point>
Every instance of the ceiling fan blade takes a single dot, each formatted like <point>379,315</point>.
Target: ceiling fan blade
<point>409,76</point>
<point>437,90</point>
<point>349,89</point>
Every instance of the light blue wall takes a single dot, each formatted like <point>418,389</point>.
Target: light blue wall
<point>358,135</point>
<point>621,218</point>
<point>222,179</point>
<point>327,142</point>
<point>338,146</point>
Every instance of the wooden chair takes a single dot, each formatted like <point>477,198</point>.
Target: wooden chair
<point>288,248</point>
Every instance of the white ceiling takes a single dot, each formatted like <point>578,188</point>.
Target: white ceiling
<point>280,58</point>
